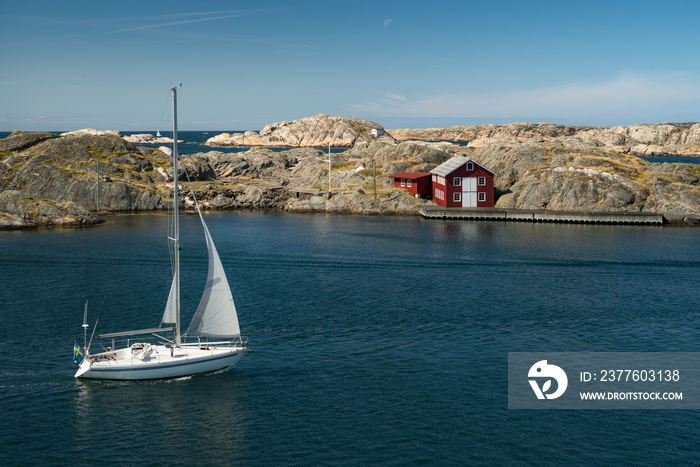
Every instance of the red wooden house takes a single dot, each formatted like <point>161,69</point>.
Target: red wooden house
<point>414,182</point>
<point>462,183</point>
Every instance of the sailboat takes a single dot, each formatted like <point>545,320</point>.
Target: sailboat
<point>212,341</point>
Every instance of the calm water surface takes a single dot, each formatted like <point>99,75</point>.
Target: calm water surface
<point>377,341</point>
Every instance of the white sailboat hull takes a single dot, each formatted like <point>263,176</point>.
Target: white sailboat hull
<point>125,364</point>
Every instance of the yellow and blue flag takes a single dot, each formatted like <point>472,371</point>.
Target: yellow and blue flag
<point>77,353</point>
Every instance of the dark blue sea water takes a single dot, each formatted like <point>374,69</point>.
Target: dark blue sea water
<point>378,341</point>
<point>193,141</point>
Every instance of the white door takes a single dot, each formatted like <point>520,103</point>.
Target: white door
<point>468,192</point>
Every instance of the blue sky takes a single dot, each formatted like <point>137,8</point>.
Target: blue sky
<point>403,64</point>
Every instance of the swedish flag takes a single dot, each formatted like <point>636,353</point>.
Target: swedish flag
<point>77,353</point>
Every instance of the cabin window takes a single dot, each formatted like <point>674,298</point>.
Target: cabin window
<point>409,183</point>
<point>470,166</point>
<point>403,182</point>
<point>482,196</point>
<point>482,181</point>
<point>434,178</point>
<point>457,181</point>
<point>457,197</point>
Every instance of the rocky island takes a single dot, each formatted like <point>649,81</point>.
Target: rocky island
<point>69,179</point>
<point>318,131</point>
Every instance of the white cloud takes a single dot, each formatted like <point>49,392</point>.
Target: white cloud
<point>152,25</point>
<point>622,96</point>
<point>396,97</point>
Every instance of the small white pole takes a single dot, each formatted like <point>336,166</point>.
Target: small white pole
<point>97,191</point>
<point>374,165</point>
<point>329,164</point>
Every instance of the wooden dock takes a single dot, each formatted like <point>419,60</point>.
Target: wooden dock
<point>522,215</point>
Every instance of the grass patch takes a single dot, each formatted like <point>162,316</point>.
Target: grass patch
<point>369,172</point>
<point>99,153</point>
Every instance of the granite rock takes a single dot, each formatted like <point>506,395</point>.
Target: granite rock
<point>306,132</point>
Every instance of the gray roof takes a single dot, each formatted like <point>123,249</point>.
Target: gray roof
<point>451,165</point>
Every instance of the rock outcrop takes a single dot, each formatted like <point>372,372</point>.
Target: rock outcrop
<point>93,132</point>
<point>306,132</point>
<point>20,212</point>
<point>356,203</point>
<point>147,138</point>
<point>19,140</point>
<point>55,181</point>
<point>554,176</point>
<point>681,139</point>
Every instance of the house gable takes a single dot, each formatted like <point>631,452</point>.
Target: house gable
<point>446,168</point>
<point>460,178</point>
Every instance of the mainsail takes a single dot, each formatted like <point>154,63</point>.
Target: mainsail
<point>216,314</point>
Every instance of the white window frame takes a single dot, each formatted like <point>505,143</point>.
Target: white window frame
<point>457,181</point>
<point>481,196</point>
<point>409,183</point>
<point>481,181</point>
<point>470,166</point>
<point>403,182</point>
<point>457,197</point>
<point>434,177</point>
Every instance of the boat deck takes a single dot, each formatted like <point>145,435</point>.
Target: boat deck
<point>159,362</point>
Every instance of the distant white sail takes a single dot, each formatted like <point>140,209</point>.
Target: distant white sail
<point>216,314</point>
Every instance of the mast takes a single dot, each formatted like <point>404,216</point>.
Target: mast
<point>176,222</point>
<point>85,326</point>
